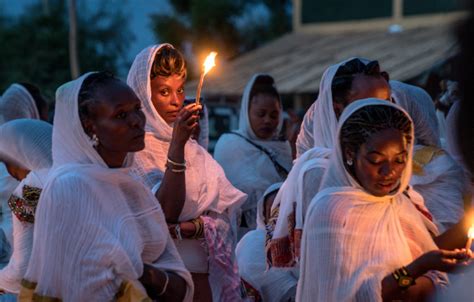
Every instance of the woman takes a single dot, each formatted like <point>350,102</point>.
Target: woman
<point>363,239</point>
<point>18,101</point>
<point>253,157</point>
<point>109,235</point>
<point>198,201</point>
<point>436,176</point>
<point>25,148</point>
<point>270,284</point>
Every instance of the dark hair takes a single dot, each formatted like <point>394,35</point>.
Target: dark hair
<point>88,94</point>
<point>168,61</point>
<point>368,120</point>
<point>264,84</point>
<point>34,91</point>
<point>342,81</point>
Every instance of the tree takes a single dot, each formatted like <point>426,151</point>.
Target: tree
<point>35,45</point>
<point>225,25</point>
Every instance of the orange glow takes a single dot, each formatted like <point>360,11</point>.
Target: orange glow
<point>210,62</point>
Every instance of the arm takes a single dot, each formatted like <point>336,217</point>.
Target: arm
<point>453,238</point>
<point>156,280</point>
<point>172,191</point>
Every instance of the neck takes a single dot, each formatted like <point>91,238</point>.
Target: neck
<point>113,159</point>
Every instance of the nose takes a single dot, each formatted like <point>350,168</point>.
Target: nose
<point>137,119</point>
<point>386,170</point>
<point>175,99</point>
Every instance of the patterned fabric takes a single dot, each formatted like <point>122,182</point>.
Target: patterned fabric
<point>24,208</point>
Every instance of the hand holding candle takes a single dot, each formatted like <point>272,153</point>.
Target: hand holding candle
<point>208,64</point>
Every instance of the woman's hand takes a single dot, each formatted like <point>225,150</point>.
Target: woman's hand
<point>185,124</point>
<point>441,260</point>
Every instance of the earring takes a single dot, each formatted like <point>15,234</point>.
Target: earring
<point>349,162</point>
<point>95,140</point>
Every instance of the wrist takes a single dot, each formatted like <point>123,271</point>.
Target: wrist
<point>416,268</point>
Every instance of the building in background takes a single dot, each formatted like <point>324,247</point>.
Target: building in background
<point>408,38</point>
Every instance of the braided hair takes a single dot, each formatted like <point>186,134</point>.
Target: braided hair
<point>88,94</point>
<point>264,84</point>
<point>367,121</point>
<point>168,61</point>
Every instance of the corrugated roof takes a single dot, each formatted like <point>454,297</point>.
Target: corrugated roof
<point>297,60</point>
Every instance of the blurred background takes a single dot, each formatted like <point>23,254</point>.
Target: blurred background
<point>48,42</point>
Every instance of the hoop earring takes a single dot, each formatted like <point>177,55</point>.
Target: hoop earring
<point>94,140</point>
<point>349,162</point>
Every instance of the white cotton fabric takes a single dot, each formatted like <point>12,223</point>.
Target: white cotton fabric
<point>207,188</point>
<point>272,284</point>
<point>299,188</point>
<point>352,239</point>
<point>418,103</point>
<point>27,143</point>
<point>247,168</point>
<point>95,226</point>
<point>15,103</point>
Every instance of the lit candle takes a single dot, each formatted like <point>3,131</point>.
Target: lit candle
<point>470,236</point>
<point>208,64</point>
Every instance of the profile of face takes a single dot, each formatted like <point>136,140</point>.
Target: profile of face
<point>363,87</point>
<point>167,95</point>
<point>264,115</point>
<point>16,171</point>
<point>117,120</point>
<point>267,206</point>
<point>380,162</point>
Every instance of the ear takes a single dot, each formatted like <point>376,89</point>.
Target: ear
<point>349,154</point>
<point>89,127</point>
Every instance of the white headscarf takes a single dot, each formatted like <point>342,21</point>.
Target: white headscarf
<point>102,223</point>
<point>248,168</point>
<point>420,106</point>
<point>352,239</point>
<point>207,188</point>
<point>15,103</point>
<point>27,143</point>
<point>320,121</point>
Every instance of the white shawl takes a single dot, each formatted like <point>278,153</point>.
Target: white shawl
<point>95,226</point>
<point>15,103</point>
<point>207,188</point>
<point>352,239</point>
<point>27,143</point>
<point>248,168</point>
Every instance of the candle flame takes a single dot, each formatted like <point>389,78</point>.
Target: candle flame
<point>209,62</point>
<point>470,233</point>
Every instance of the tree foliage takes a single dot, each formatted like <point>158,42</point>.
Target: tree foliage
<point>35,44</point>
<point>226,25</point>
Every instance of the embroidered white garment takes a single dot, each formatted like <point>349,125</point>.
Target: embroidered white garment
<point>95,226</point>
<point>207,188</point>
<point>352,239</point>
<point>248,168</point>
<point>26,143</point>
<point>15,103</point>
<point>272,284</point>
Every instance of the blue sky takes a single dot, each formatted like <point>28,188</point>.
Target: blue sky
<point>138,10</point>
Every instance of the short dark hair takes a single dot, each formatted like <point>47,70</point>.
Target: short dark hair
<point>35,93</point>
<point>368,120</point>
<point>168,61</point>
<point>88,94</point>
<point>345,74</point>
<point>264,84</point>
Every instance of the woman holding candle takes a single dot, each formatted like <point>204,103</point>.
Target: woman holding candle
<point>198,201</point>
<point>254,157</point>
<point>99,233</point>
<point>363,239</point>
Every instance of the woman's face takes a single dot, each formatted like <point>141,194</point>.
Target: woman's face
<point>167,95</point>
<point>380,162</point>
<point>264,115</point>
<point>118,121</point>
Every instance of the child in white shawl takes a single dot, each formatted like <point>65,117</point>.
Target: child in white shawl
<point>363,239</point>
<point>99,234</point>
<point>271,284</point>
<point>198,201</point>
<point>25,147</point>
<point>253,157</point>
<point>18,101</point>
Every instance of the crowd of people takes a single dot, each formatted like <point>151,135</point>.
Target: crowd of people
<point>119,199</point>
